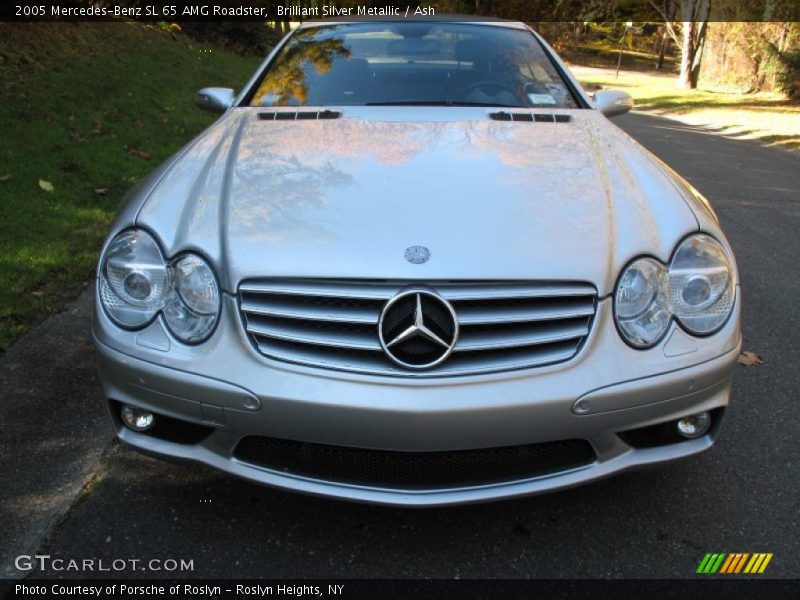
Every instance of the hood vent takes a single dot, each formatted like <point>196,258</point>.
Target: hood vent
<point>530,117</point>
<point>299,115</point>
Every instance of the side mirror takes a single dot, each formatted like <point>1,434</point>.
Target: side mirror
<point>214,99</point>
<point>613,102</point>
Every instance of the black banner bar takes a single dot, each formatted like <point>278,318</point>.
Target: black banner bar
<point>637,11</point>
<point>109,589</point>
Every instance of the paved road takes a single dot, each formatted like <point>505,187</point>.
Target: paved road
<point>744,495</point>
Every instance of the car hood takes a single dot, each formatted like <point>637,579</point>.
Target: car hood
<point>344,198</point>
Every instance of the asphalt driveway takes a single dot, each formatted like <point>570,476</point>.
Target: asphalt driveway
<point>744,495</point>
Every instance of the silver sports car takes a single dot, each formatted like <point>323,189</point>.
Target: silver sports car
<point>413,263</point>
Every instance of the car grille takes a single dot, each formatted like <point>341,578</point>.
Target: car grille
<point>334,324</point>
<point>409,470</point>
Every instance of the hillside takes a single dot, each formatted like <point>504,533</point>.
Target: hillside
<point>86,110</point>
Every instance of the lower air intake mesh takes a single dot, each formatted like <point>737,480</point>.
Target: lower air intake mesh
<point>414,470</point>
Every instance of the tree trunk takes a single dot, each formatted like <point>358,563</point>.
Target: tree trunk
<point>576,35</point>
<point>783,41</point>
<point>699,46</point>
<point>662,49</point>
<point>687,56</point>
<point>695,24</point>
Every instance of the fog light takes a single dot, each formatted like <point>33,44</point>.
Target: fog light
<point>136,418</point>
<point>694,426</point>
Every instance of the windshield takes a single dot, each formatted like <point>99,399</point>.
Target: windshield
<point>412,63</point>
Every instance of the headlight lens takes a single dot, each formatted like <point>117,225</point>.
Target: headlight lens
<point>701,286</point>
<point>136,282</point>
<point>641,305</point>
<point>134,278</point>
<point>697,288</point>
<point>192,307</point>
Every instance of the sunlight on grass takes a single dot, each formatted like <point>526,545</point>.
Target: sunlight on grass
<point>766,116</point>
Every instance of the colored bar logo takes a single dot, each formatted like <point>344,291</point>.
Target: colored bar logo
<point>733,563</point>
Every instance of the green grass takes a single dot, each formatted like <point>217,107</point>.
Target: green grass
<point>74,100</point>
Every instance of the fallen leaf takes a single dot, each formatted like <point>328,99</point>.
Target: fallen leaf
<point>46,185</point>
<point>100,191</point>
<point>750,359</point>
<point>143,154</point>
<point>5,177</point>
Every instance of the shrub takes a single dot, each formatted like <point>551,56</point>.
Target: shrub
<point>784,69</point>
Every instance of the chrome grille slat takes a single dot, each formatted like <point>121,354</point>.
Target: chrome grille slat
<point>283,308</point>
<point>333,358</point>
<point>331,289</point>
<point>500,291</point>
<point>375,364</point>
<point>333,324</point>
<point>318,337</point>
<point>522,314</point>
<point>536,356</point>
<point>474,341</point>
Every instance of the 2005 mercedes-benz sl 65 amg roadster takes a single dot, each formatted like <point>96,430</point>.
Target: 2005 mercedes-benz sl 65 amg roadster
<point>414,263</point>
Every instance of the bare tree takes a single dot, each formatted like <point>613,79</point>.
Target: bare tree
<point>670,9</point>
<point>692,37</point>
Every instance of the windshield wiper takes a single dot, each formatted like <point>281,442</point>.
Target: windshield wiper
<point>442,103</point>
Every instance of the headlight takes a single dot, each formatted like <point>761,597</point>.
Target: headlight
<point>701,286</point>
<point>134,278</point>
<point>136,282</point>
<point>640,303</point>
<point>697,288</point>
<point>192,307</point>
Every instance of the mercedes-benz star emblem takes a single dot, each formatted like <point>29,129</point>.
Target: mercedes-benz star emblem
<point>417,254</point>
<point>418,329</point>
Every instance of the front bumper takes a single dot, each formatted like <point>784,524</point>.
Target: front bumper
<point>606,389</point>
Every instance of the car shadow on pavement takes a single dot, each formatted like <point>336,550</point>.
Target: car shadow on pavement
<point>232,528</point>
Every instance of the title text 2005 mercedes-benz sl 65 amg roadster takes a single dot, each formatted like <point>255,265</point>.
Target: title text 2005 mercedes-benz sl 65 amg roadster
<point>413,263</point>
